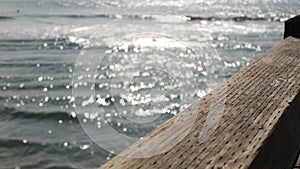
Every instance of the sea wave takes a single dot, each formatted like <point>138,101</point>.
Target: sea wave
<point>37,149</point>
<point>39,44</point>
<point>13,143</point>
<point>154,17</point>
<point>5,17</point>
<point>17,114</point>
<point>236,19</point>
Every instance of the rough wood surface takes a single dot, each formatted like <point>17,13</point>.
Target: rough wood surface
<point>297,165</point>
<point>260,125</point>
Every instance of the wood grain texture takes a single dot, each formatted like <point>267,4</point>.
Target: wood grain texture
<point>297,165</point>
<point>259,129</point>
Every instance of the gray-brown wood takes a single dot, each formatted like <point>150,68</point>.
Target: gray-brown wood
<point>297,165</point>
<point>260,125</point>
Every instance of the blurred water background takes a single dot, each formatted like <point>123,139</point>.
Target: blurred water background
<point>41,41</point>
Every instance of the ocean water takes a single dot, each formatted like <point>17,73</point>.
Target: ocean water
<point>72,69</point>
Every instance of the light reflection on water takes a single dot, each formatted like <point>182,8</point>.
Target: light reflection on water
<point>142,97</point>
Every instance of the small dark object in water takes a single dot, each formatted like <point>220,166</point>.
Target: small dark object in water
<point>292,27</point>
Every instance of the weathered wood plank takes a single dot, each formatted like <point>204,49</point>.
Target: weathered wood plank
<point>259,128</point>
<point>297,165</point>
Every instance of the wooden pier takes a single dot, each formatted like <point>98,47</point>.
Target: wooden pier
<point>259,128</point>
